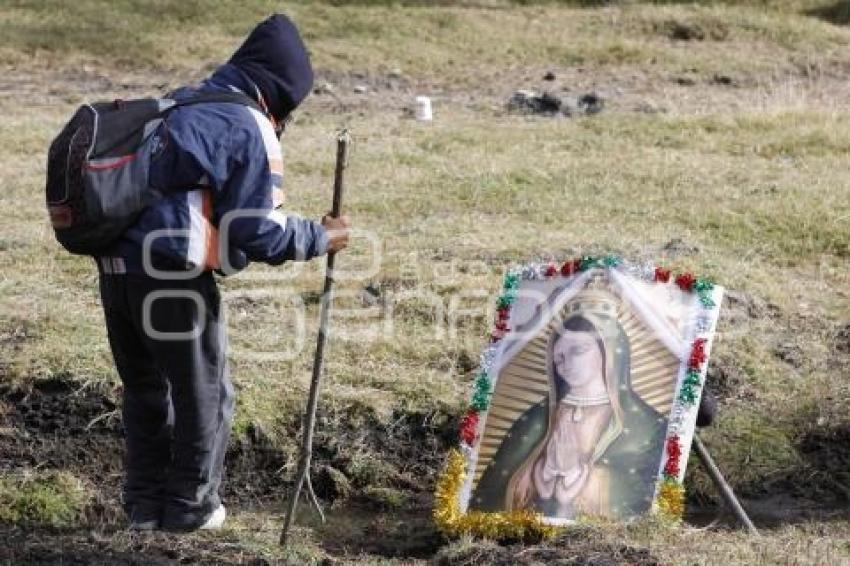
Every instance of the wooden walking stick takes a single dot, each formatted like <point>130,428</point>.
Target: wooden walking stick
<point>343,143</point>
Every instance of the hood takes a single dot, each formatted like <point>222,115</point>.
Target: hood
<point>275,59</point>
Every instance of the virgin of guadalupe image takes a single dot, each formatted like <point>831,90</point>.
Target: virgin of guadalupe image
<point>591,446</point>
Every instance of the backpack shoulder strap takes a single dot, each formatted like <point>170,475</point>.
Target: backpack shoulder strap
<point>234,97</point>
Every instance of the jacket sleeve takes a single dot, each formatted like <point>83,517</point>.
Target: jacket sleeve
<point>242,163</point>
<point>248,218</point>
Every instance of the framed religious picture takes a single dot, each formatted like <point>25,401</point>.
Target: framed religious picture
<point>586,399</point>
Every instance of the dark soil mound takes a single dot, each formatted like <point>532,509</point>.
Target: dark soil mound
<point>377,478</point>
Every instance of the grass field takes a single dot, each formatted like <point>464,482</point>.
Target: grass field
<point>723,147</point>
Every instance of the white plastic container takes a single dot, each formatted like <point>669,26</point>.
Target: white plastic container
<point>424,112</point>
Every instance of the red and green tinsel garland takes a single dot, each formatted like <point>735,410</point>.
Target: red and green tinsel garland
<point>689,392</point>
<point>671,493</point>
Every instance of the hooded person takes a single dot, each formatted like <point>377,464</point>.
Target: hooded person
<point>218,166</point>
<point>274,61</point>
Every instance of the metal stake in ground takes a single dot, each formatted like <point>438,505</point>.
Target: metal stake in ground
<point>723,486</point>
<point>343,143</point>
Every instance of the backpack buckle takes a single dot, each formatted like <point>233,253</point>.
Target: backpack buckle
<point>61,216</point>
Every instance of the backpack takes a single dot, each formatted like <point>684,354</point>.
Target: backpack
<point>97,168</point>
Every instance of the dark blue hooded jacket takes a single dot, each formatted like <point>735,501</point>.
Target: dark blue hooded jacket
<point>220,167</point>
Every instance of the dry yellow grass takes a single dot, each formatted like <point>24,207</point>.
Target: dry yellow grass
<point>752,178</point>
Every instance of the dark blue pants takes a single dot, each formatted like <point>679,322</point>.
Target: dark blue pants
<point>170,352</point>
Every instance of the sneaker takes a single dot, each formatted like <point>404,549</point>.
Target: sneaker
<point>216,520</point>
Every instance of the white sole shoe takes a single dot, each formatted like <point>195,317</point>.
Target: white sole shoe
<point>216,520</point>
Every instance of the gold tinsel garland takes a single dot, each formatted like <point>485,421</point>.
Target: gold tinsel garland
<point>513,525</point>
<point>671,500</point>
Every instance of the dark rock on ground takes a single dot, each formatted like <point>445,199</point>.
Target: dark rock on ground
<point>549,76</point>
<point>591,103</point>
<point>547,104</point>
<point>677,247</point>
<point>371,295</point>
<point>682,31</point>
<point>534,103</point>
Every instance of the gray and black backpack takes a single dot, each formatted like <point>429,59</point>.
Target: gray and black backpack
<point>97,168</point>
